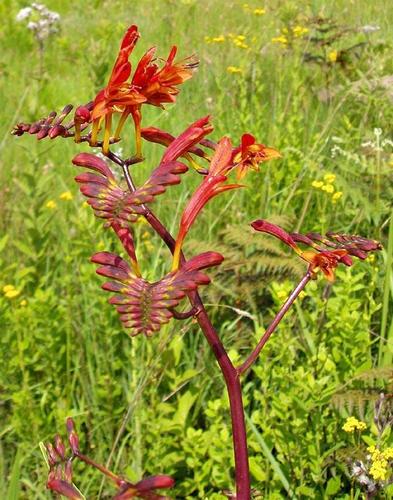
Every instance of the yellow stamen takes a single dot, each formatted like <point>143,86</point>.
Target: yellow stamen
<point>77,136</point>
<point>121,123</point>
<point>136,115</point>
<point>193,163</point>
<point>107,135</point>
<point>94,131</point>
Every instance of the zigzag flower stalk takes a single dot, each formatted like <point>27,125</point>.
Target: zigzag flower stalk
<point>144,306</point>
<point>330,250</point>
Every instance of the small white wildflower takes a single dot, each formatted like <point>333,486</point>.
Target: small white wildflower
<point>335,150</point>
<point>32,26</point>
<point>337,139</point>
<point>368,144</point>
<point>23,14</point>
<point>387,142</point>
<point>54,17</point>
<point>38,6</point>
<point>377,132</point>
<point>369,28</point>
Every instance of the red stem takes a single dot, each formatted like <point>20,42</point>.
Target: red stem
<point>231,376</point>
<point>273,325</point>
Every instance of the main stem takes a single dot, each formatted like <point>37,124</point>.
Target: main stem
<point>230,374</point>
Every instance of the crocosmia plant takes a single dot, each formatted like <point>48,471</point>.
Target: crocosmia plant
<point>107,182</point>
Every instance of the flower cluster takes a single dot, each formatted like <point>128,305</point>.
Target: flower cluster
<point>60,478</point>
<point>352,424</point>
<point>381,466</point>
<point>326,251</point>
<point>10,292</point>
<point>289,34</point>
<point>41,21</point>
<point>257,11</point>
<point>237,40</point>
<point>327,185</point>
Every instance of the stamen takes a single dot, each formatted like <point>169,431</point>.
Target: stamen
<point>77,137</point>
<point>107,135</point>
<point>121,123</point>
<point>136,115</point>
<point>94,131</point>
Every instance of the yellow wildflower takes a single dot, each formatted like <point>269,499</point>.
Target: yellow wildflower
<point>10,291</point>
<point>332,56</point>
<point>282,294</point>
<point>51,204</point>
<point>241,38</point>
<point>66,196</point>
<point>388,453</point>
<point>259,12</point>
<point>328,188</point>
<point>23,303</point>
<point>317,184</point>
<point>142,220</point>
<point>240,44</point>
<point>11,294</point>
<point>336,196</point>
<point>234,69</point>
<point>329,178</point>
<point>85,204</point>
<point>299,31</point>
<point>379,470</point>
<point>352,424</point>
<point>218,39</point>
<point>208,39</point>
<point>280,39</point>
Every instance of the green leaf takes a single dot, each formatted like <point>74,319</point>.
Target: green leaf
<point>184,406</point>
<point>275,465</point>
<point>333,486</point>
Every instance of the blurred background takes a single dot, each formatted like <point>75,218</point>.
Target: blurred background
<point>313,79</point>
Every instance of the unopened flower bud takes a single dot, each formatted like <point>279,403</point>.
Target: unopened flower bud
<point>72,436</point>
<point>53,457</point>
<point>82,114</point>
<point>59,447</point>
<point>155,482</point>
<point>56,131</point>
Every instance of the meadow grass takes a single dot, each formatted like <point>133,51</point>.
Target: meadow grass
<point>63,349</point>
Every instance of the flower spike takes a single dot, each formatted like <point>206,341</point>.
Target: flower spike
<point>325,254</point>
<point>60,472</point>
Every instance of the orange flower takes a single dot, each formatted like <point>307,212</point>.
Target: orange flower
<point>250,154</point>
<point>213,184</point>
<point>149,84</point>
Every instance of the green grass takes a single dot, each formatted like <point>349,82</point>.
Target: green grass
<point>64,351</point>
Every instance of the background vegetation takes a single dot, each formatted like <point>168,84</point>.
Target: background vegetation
<point>310,78</point>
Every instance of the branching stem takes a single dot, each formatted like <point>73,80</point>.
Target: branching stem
<point>273,325</point>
